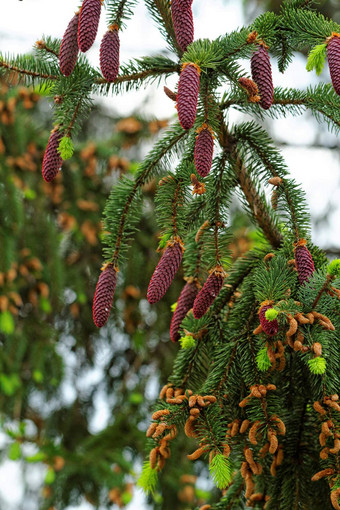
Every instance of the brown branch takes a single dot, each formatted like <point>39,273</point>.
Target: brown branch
<point>140,75</point>
<point>34,74</point>
<point>322,290</point>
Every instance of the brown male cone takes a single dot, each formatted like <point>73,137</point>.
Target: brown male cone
<point>103,298</point>
<point>88,23</point>
<point>165,271</point>
<point>204,149</point>
<point>333,55</point>
<point>109,54</point>
<point>209,292</point>
<point>184,304</point>
<point>261,71</point>
<point>187,95</point>
<point>69,48</point>
<point>303,261</point>
<point>52,159</point>
<point>183,24</point>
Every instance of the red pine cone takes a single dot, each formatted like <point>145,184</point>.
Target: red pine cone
<point>184,304</point>
<point>165,272</point>
<point>183,23</point>
<point>204,149</point>
<point>109,54</point>
<point>304,262</point>
<point>69,47</point>
<point>261,71</point>
<point>333,55</point>
<point>88,23</point>
<point>187,96</point>
<point>208,293</point>
<point>270,328</point>
<point>103,298</point>
<point>52,160</point>
<point>185,4</point>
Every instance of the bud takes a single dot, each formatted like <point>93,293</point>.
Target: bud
<point>103,298</point>
<point>333,55</point>
<point>69,47</point>
<point>184,304</point>
<point>109,54</point>
<point>171,95</point>
<point>269,327</point>
<point>304,262</point>
<point>204,149</point>
<point>52,159</point>
<point>209,292</point>
<point>262,75</point>
<point>165,271</point>
<point>183,24</point>
<point>187,96</point>
<point>88,23</point>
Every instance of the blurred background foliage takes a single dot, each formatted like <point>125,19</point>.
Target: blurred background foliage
<point>75,402</point>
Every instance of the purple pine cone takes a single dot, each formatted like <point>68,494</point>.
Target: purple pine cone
<point>103,298</point>
<point>184,304</point>
<point>333,55</point>
<point>270,328</point>
<point>303,261</point>
<point>69,47</point>
<point>187,96</point>
<point>52,160</point>
<point>88,23</point>
<point>261,71</point>
<point>165,272</point>
<point>204,149</point>
<point>208,293</point>
<point>109,54</point>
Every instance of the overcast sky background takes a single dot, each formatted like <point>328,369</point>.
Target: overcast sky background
<point>317,168</point>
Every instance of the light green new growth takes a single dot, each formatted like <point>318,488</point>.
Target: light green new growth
<point>317,365</point>
<point>316,58</point>
<point>220,471</point>
<point>163,240</point>
<point>262,360</point>
<point>173,307</point>
<point>187,342</point>
<point>334,268</point>
<point>148,478</point>
<point>66,147</point>
<point>271,314</point>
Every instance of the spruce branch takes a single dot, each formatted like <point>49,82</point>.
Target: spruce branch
<point>28,72</point>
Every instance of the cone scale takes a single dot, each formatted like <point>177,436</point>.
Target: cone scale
<point>204,149</point>
<point>187,96</point>
<point>165,271</point>
<point>69,48</point>
<point>88,23</point>
<point>208,293</point>
<point>261,71</point>
<point>103,298</point>
<point>109,54</point>
<point>52,159</point>
<point>184,304</point>
<point>333,55</point>
<point>303,261</point>
<point>270,328</point>
<point>183,23</point>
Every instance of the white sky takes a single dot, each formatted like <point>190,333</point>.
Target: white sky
<point>24,22</point>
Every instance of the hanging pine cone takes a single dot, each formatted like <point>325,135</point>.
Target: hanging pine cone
<point>204,149</point>
<point>184,304</point>
<point>69,47</point>
<point>209,292</point>
<point>103,298</point>
<point>333,55</point>
<point>261,71</point>
<point>165,271</point>
<point>185,4</point>
<point>303,261</point>
<point>183,23</point>
<point>270,328</point>
<point>109,54</point>
<point>88,23</point>
<point>52,160</point>
<point>187,96</point>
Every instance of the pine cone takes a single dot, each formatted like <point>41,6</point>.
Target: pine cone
<point>88,23</point>
<point>187,96</point>
<point>184,304</point>
<point>204,149</point>
<point>165,272</point>
<point>262,75</point>
<point>69,47</point>
<point>304,262</point>
<point>52,160</point>
<point>208,293</point>
<point>103,298</point>
<point>109,54</point>
<point>333,55</point>
<point>185,4</point>
<point>270,328</point>
<point>183,24</point>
